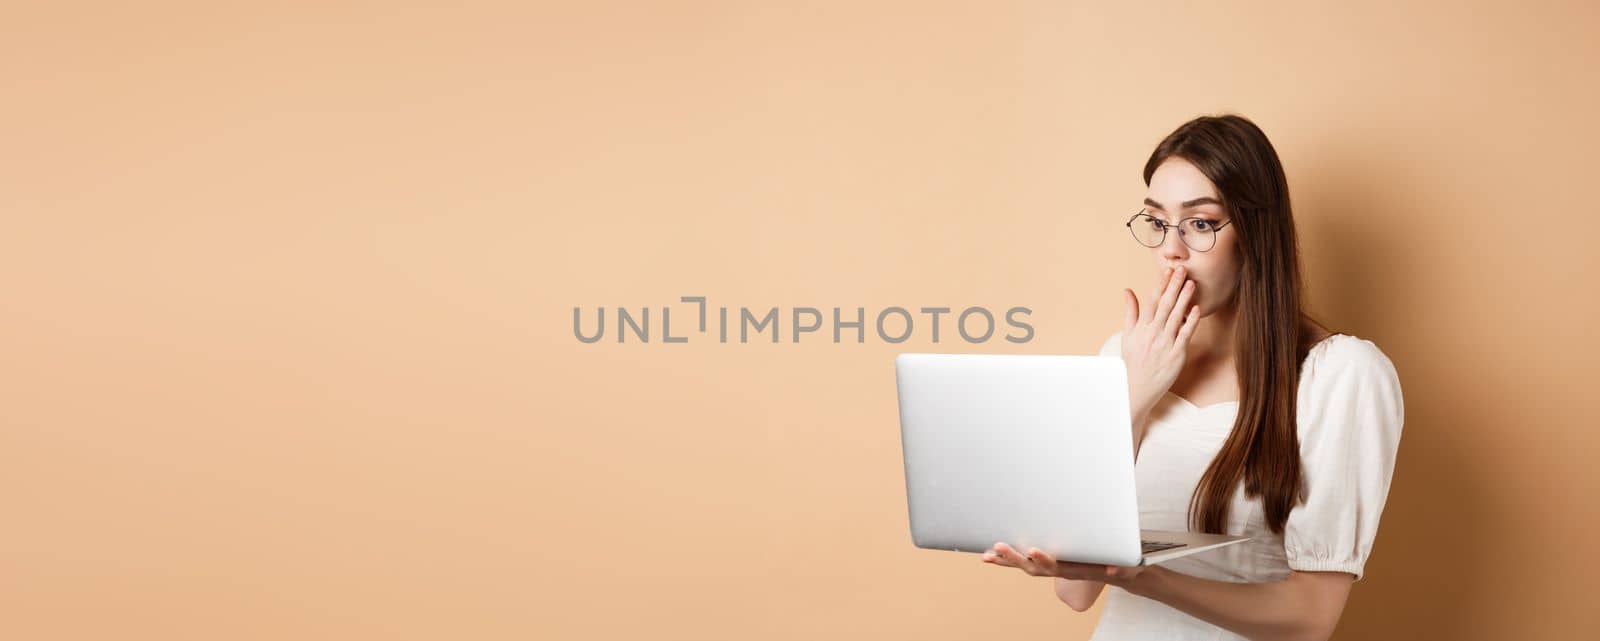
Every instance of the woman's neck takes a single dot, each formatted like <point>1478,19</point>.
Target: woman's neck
<point>1212,341</point>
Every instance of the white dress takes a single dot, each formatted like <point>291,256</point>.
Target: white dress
<point>1349,417</point>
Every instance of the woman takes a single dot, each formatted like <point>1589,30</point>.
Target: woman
<point>1249,418</point>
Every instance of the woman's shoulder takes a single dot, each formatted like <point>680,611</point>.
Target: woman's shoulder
<point>1112,345</point>
<point>1344,364</point>
<point>1341,352</point>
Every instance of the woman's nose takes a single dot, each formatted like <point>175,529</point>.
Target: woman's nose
<point>1172,247</point>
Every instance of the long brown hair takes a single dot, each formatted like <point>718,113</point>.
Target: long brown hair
<point>1272,332</point>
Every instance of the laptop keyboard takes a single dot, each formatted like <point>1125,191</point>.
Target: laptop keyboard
<point>1157,546</point>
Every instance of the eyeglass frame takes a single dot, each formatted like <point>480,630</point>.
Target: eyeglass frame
<point>1166,225</point>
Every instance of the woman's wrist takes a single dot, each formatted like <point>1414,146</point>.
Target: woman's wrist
<point>1138,407</point>
<point>1141,419</point>
<point>1146,583</point>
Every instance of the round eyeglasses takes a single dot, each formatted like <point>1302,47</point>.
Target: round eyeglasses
<point>1199,234</point>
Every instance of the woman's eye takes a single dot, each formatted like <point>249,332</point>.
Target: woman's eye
<point>1201,224</point>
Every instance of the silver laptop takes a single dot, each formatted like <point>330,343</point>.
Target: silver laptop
<point>1031,450</point>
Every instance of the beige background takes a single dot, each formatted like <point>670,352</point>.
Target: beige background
<point>287,297</point>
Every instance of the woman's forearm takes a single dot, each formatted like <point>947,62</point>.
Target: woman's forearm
<point>1078,595</point>
<point>1141,421</point>
<point>1305,606</point>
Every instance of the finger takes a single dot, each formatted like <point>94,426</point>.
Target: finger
<point>1013,557</point>
<point>1042,560</point>
<point>1148,311</point>
<point>1168,297</point>
<point>1180,309</point>
<point>1190,321</point>
<point>1008,555</point>
<point>994,556</point>
<point>1130,309</point>
<point>991,556</point>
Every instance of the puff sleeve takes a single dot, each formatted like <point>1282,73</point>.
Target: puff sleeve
<point>1112,346</point>
<point>1350,416</point>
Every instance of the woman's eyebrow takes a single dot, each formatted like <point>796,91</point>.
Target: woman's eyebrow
<point>1187,204</point>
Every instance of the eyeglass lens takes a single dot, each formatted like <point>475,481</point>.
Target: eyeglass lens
<point>1197,233</point>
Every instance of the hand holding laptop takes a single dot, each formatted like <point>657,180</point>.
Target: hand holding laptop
<point>1038,563</point>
